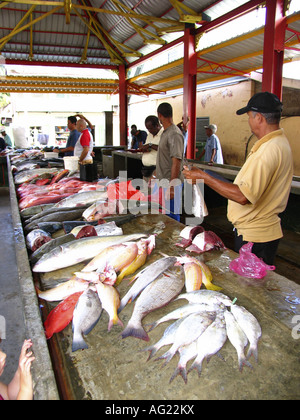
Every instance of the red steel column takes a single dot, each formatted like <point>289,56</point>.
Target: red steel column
<point>123,105</point>
<point>274,47</point>
<point>190,88</point>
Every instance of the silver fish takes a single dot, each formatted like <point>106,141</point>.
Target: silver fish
<point>184,311</point>
<point>27,175</point>
<point>82,198</point>
<point>189,330</point>
<point>78,251</point>
<point>250,326</point>
<point>206,296</point>
<point>210,342</point>
<point>86,314</point>
<point>48,246</point>
<point>145,277</point>
<point>167,338</point>
<point>237,338</point>
<point>156,295</point>
<point>34,210</point>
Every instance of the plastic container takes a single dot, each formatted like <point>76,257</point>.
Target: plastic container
<point>71,163</point>
<point>49,155</point>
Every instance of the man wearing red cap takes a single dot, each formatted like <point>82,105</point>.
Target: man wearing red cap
<point>261,189</point>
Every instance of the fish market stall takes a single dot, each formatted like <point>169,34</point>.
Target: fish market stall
<point>127,161</point>
<point>120,358</point>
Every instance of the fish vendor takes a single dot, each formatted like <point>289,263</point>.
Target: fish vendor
<point>261,189</point>
<point>72,139</point>
<point>84,145</point>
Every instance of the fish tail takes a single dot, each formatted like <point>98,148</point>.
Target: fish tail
<point>253,350</point>
<point>244,362</point>
<point>113,321</point>
<point>152,326</point>
<point>152,350</point>
<point>210,286</point>
<point>168,356</point>
<point>180,370</point>
<point>136,331</point>
<point>198,366</point>
<point>78,343</point>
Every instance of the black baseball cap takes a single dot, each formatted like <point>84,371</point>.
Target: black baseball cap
<point>264,102</point>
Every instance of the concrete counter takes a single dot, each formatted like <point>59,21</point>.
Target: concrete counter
<point>113,368</point>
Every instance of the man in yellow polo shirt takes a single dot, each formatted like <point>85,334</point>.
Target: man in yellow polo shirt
<point>261,189</point>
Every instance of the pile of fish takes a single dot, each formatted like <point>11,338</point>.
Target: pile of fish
<point>202,328</point>
<point>114,258</point>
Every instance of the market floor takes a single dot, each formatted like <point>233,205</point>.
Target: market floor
<point>11,309</point>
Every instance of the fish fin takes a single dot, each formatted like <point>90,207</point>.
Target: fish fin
<point>152,351</point>
<point>152,326</point>
<point>168,356</point>
<point>135,331</point>
<point>252,350</point>
<point>79,343</point>
<point>180,370</point>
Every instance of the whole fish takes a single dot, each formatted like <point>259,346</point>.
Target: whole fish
<point>196,272</point>
<point>61,315</point>
<point>52,210</point>
<point>167,338</point>
<point>156,295</point>
<point>110,300</point>
<point>36,238</point>
<point>116,256</point>
<point>32,211</point>
<point>63,290</point>
<point>82,198</point>
<point>78,251</point>
<point>48,246</point>
<point>206,296</point>
<point>55,217</point>
<point>186,310</point>
<point>186,353</point>
<point>145,277</point>
<point>210,342</point>
<point>237,338</point>
<point>26,176</point>
<point>189,330</point>
<point>145,247</point>
<point>250,326</point>
<point>86,314</point>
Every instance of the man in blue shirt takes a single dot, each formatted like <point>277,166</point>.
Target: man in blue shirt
<point>138,137</point>
<point>72,139</point>
<point>212,151</point>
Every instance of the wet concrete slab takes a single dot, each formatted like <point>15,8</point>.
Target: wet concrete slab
<point>113,368</point>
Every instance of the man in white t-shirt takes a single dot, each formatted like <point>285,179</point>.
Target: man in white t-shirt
<point>151,145</point>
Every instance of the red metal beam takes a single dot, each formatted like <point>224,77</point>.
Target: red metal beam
<point>123,105</point>
<point>274,38</point>
<point>190,89</point>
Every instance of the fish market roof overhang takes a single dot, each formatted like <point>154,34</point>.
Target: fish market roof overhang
<point>114,33</point>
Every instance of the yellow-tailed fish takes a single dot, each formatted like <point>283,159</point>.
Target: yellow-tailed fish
<point>145,247</point>
<point>206,273</point>
<point>64,290</point>
<point>110,300</point>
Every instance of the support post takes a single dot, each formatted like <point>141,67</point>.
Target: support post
<point>123,105</point>
<point>190,88</point>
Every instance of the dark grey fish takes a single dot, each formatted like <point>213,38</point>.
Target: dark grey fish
<point>55,217</point>
<point>44,249</point>
<point>50,227</point>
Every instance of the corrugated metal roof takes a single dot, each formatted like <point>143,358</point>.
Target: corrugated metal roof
<point>104,34</point>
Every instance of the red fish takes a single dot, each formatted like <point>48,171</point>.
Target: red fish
<point>61,315</point>
<point>59,176</point>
